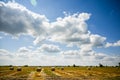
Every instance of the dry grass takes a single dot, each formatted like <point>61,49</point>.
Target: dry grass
<point>69,73</point>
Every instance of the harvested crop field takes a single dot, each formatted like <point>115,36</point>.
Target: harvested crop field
<point>68,73</point>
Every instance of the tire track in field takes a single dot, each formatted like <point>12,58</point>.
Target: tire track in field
<point>57,74</point>
<point>31,76</point>
<point>63,73</point>
<point>40,75</point>
<point>8,72</point>
<point>12,74</point>
<point>37,75</point>
<point>43,74</point>
<point>70,75</point>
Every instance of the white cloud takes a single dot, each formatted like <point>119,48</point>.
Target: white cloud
<point>100,56</point>
<point>50,48</point>
<point>17,20</point>
<point>38,40</point>
<point>89,58</point>
<point>6,54</point>
<point>70,30</point>
<point>71,52</point>
<point>97,40</point>
<point>64,58</point>
<point>113,44</point>
<point>3,52</point>
<point>108,44</point>
<point>23,50</point>
<point>83,16</point>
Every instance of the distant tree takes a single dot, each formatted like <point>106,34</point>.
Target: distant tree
<point>68,65</point>
<point>100,65</point>
<point>10,65</point>
<point>119,64</point>
<point>74,65</point>
<point>25,65</point>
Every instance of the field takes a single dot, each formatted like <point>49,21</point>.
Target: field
<point>60,73</point>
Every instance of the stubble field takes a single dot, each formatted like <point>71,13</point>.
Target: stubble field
<point>60,73</point>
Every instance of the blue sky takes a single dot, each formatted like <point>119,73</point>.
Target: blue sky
<point>59,32</point>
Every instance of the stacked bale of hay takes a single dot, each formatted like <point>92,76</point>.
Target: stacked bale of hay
<point>11,68</point>
<point>53,69</point>
<point>62,68</point>
<point>19,69</point>
<point>89,68</point>
<point>39,69</point>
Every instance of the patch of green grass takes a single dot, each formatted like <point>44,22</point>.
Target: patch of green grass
<point>49,73</point>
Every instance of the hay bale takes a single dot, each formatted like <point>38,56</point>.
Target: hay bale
<point>11,68</point>
<point>62,68</point>
<point>53,69</point>
<point>19,69</point>
<point>89,68</point>
<point>39,69</point>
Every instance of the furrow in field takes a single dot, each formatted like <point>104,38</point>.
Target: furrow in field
<point>40,75</point>
<point>12,74</point>
<point>4,73</point>
<point>31,76</point>
<point>63,73</point>
<point>56,73</point>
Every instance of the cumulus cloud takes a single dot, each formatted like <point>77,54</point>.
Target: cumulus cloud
<point>39,39</point>
<point>17,20</point>
<point>113,44</point>
<point>100,56</point>
<point>3,51</point>
<point>97,40</point>
<point>23,50</point>
<point>50,48</point>
<point>71,30</point>
<point>89,57</point>
<point>65,58</point>
<point>78,53</point>
<point>71,52</point>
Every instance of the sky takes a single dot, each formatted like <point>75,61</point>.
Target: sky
<point>59,32</point>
